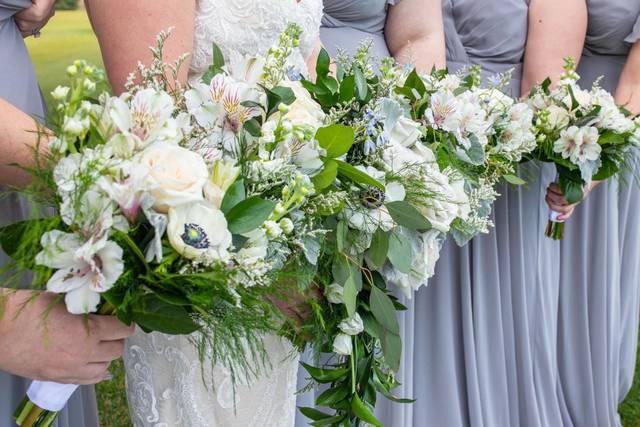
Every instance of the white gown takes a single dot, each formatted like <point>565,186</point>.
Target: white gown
<point>166,386</point>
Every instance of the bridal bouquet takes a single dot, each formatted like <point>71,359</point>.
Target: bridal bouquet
<point>178,209</point>
<point>583,132</point>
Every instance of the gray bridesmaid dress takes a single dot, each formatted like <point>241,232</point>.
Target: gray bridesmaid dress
<point>19,87</point>
<point>484,339</point>
<point>600,253</point>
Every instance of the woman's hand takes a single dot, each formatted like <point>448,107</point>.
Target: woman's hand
<point>31,20</point>
<point>558,203</point>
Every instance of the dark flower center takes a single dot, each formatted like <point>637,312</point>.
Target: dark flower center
<point>195,236</point>
<point>371,197</point>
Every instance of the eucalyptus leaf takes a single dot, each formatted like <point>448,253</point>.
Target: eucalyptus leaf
<point>400,252</point>
<point>356,175</point>
<point>514,179</point>
<point>383,310</point>
<point>326,177</point>
<point>234,195</point>
<point>408,216</point>
<point>155,314</point>
<point>249,214</point>
<point>391,349</point>
<point>349,296</point>
<point>335,139</point>
<point>379,248</point>
<point>362,87</point>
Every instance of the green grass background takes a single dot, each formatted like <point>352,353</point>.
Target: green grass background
<point>68,37</point>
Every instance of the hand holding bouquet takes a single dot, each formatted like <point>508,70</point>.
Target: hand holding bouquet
<point>584,133</point>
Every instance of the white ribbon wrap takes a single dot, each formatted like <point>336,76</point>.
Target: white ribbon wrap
<point>553,216</point>
<point>49,395</point>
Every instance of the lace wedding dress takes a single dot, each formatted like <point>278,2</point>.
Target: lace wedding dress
<point>166,385</point>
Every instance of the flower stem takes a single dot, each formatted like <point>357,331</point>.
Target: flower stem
<point>28,414</point>
<point>555,230</point>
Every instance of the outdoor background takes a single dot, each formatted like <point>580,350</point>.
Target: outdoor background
<point>68,37</point>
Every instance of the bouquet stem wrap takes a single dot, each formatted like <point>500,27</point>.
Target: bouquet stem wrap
<point>555,227</point>
<point>44,399</point>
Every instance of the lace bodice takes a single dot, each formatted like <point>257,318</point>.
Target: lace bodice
<point>251,27</point>
<point>166,385</point>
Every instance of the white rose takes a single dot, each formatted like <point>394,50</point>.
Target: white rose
<point>352,326</point>
<point>333,293</point>
<point>304,111</point>
<point>406,132</point>
<point>175,175</point>
<point>223,175</point>
<point>199,231</point>
<point>342,345</point>
<point>558,117</point>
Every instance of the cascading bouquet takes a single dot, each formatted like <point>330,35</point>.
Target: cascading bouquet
<point>583,132</point>
<point>478,135</point>
<point>405,183</point>
<point>178,209</point>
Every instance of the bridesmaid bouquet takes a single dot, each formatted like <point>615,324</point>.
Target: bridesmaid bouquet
<point>477,134</point>
<point>583,132</point>
<point>179,209</point>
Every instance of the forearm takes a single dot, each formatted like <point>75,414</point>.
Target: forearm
<point>414,33</point>
<point>556,30</point>
<point>126,29</point>
<point>20,137</point>
<point>628,91</point>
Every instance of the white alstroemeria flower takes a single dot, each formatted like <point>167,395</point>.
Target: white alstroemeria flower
<point>175,175</point>
<point>198,231</point>
<point>342,345</point>
<point>144,118</point>
<point>352,325</point>
<point>85,269</point>
<point>450,83</point>
<point>334,293</point>
<point>443,105</point>
<point>373,214</point>
<point>579,145</point>
<point>449,202</point>
<point>248,69</point>
<point>468,120</point>
<point>129,190</point>
<point>306,155</point>
<point>223,175</point>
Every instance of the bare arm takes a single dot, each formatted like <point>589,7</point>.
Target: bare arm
<point>126,29</point>
<point>556,30</point>
<point>414,33</point>
<point>19,136</point>
<point>628,92</point>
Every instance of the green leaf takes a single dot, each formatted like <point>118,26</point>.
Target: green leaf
<point>400,252</point>
<point>341,237</point>
<point>217,59</point>
<point>361,84</point>
<point>514,179</point>
<point>347,89</point>
<point>328,421</point>
<point>356,175</point>
<point>571,189</point>
<point>379,248</point>
<point>332,396</point>
<point>335,139</point>
<point>408,216</point>
<point>326,177</point>
<point>362,412</point>
<point>391,349</point>
<point>234,195</point>
<point>249,214</point>
<point>371,325</point>
<point>607,170</point>
<point>21,240</point>
<point>278,95</point>
<point>254,127</point>
<point>322,66</point>
<point>325,376</point>
<point>383,310</point>
<point>611,138</point>
<point>349,296</point>
<point>313,414</point>
<point>154,314</point>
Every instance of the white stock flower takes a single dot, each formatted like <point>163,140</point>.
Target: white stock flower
<point>342,345</point>
<point>352,325</point>
<point>223,175</point>
<point>558,117</point>
<point>60,93</point>
<point>199,231</point>
<point>175,175</point>
<point>144,118</point>
<point>579,145</point>
<point>85,269</point>
<point>333,293</point>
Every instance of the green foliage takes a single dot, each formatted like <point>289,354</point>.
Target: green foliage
<point>249,214</point>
